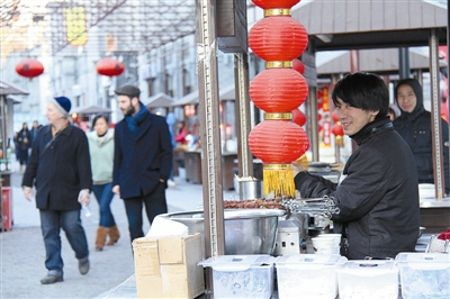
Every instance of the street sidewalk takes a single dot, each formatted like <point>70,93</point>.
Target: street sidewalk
<point>22,250</point>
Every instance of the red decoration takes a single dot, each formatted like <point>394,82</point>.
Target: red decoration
<point>335,117</point>
<point>338,130</point>
<point>278,141</point>
<point>278,39</point>
<point>269,4</point>
<point>319,116</point>
<point>298,117</point>
<point>278,90</point>
<point>298,66</point>
<point>29,68</point>
<point>110,67</point>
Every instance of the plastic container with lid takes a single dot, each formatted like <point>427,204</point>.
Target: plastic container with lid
<point>424,275</point>
<point>368,279</point>
<point>308,276</point>
<point>241,276</point>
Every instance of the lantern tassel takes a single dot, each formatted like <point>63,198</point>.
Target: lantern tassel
<point>279,180</point>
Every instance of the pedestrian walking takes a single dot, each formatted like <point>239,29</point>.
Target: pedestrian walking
<point>101,148</point>
<point>60,170</point>
<point>24,140</point>
<point>34,130</point>
<point>142,160</point>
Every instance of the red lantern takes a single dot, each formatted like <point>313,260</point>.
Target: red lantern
<point>278,141</point>
<point>298,66</point>
<point>29,68</point>
<point>338,130</point>
<point>278,90</point>
<point>335,117</point>
<point>298,117</point>
<point>278,39</point>
<point>270,4</point>
<point>319,116</point>
<point>110,67</point>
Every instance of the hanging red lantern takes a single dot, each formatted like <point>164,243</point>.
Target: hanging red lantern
<point>338,130</point>
<point>298,66</point>
<point>278,90</point>
<point>298,117</point>
<point>278,39</point>
<point>271,4</point>
<point>109,67</point>
<point>278,141</point>
<point>29,68</point>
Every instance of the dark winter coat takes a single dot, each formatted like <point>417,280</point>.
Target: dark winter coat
<point>60,168</point>
<point>378,197</point>
<point>141,159</point>
<point>415,128</point>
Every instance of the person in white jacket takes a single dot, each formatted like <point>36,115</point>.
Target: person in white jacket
<point>101,148</point>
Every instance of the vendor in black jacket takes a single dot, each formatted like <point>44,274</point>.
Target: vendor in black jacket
<point>414,125</point>
<point>377,198</point>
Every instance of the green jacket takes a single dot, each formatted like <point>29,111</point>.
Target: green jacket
<point>102,156</point>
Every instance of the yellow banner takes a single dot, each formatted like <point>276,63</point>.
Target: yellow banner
<point>76,26</point>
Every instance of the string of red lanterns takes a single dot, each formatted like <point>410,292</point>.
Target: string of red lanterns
<point>278,141</point>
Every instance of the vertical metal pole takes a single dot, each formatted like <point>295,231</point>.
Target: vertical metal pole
<point>403,59</point>
<point>436,118</point>
<point>210,132</point>
<point>4,129</point>
<point>313,128</point>
<point>243,114</point>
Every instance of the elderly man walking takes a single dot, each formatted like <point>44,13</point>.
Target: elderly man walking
<point>60,170</point>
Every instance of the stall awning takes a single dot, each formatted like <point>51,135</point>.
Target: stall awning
<point>11,89</point>
<point>225,94</point>
<point>350,24</point>
<point>375,60</point>
<point>160,100</point>
<point>93,109</point>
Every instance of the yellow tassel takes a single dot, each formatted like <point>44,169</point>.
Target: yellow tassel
<point>279,180</point>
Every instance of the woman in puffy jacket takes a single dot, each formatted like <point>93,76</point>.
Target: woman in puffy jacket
<point>414,125</point>
<point>101,148</point>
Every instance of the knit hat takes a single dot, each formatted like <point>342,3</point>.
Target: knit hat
<point>128,90</point>
<point>63,104</point>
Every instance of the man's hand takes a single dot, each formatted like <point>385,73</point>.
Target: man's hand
<point>28,192</point>
<point>84,197</point>
<point>116,190</point>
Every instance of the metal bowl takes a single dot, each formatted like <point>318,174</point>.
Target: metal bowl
<point>247,231</point>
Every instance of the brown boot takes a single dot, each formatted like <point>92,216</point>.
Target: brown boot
<point>101,238</point>
<point>114,235</point>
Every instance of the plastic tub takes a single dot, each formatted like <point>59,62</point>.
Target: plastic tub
<point>424,275</point>
<point>241,276</point>
<point>308,276</point>
<point>372,279</point>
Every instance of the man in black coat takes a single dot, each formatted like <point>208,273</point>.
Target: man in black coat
<point>60,169</point>
<point>377,199</point>
<point>414,125</point>
<point>142,160</point>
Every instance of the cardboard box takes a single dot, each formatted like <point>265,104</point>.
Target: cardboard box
<point>167,267</point>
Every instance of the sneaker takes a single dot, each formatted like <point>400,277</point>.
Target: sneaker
<point>171,183</point>
<point>52,278</point>
<point>83,265</point>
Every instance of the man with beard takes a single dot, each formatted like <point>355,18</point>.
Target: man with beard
<point>142,160</point>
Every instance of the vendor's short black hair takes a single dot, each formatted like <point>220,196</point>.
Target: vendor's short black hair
<point>364,91</point>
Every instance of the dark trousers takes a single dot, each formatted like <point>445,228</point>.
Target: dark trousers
<point>155,204</point>
<point>51,224</point>
<point>104,196</point>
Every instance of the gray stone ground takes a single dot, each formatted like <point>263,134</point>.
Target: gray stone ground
<point>22,251</point>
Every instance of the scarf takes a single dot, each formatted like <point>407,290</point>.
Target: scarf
<point>133,121</point>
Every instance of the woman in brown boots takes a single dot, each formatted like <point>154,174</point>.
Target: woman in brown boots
<point>101,148</point>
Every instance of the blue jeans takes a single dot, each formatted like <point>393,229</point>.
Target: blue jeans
<point>70,222</point>
<point>104,196</point>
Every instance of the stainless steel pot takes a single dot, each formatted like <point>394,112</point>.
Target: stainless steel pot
<point>247,231</point>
